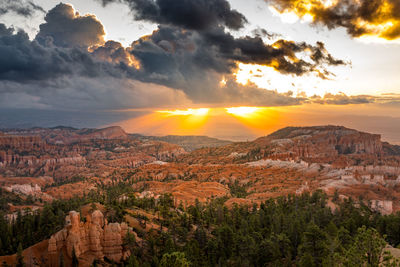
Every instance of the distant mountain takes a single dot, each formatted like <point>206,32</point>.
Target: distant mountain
<point>189,142</point>
<point>68,135</point>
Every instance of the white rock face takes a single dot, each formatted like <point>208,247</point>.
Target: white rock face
<point>385,207</point>
<point>282,164</point>
<point>26,189</point>
<point>282,142</point>
<point>159,162</point>
<point>237,155</point>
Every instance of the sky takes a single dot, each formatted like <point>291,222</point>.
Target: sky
<point>225,68</point>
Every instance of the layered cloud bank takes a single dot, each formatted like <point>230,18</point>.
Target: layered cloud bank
<point>191,58</point>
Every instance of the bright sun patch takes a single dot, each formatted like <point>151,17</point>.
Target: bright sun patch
<point>185,120</point>
<point>186,112</point>
<point>242,111</point>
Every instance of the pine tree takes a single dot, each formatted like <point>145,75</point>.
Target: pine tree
<point>61,263</point>
<point>175,259</point>
<point>130,241</point>
<point>132,262</point>
<point>20,258</point>
<point>367,248</point>
<point>1,248</point>
<point>75,262</point>
<point>314,244</point>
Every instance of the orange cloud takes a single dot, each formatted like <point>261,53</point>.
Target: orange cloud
<point>362,18</point>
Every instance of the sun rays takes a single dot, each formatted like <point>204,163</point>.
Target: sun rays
<point>242,111</point>
<point>197,121</point>
<point>186,112</point>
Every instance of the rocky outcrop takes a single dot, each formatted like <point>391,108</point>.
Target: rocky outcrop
<point>321,144</point>
<point>185,192</point>
<point>94,239</point>
<point>385,207</point>
<point>24,189</point>
<point>69,135</point>
<point>330,139</point>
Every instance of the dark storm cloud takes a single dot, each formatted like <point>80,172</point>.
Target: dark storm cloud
<point>82,93</point>
<point>188,14</point>
<point>66,28</point>
<point>69,61</point>
<point>35,75</point>
<point>196,63</point>
<point>20,7</point>
<point>24,60</point>
<point>4,31</point>
<point>379,18</point>
<point>189,59</point>
<point>192,39</point>
<point>281,55</point>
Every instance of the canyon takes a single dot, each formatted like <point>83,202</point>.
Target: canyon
<point>42,165</point>
<point>331,158</point>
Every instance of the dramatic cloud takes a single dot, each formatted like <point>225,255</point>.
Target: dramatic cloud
<point>23,60</point>
<point>282,55</point>
<point>197,62</point>
<point>188,14</point>
<point>66,28</point>
<point>20,7</point>
<point>70,64</point>
<point>376,18</point>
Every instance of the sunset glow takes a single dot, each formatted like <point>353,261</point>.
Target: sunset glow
<point>242,111</point>
<point>384,24</point>
<point>186,112</point>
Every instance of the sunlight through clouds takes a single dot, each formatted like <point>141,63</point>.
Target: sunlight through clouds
<point>242,111</point>
<point>186,112</point>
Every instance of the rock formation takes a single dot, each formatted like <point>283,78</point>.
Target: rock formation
<point>94,239</point>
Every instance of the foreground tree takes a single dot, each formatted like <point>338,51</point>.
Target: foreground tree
<point>367,250</point>
<point>20,258</point>
<point>174,259</point>
<point>75,262</point>
<point>314,248</point>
